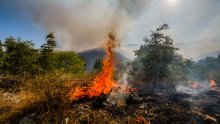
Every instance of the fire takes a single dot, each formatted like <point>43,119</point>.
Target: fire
<point>212,83</point>
<point>104,82</point>
<point>194,84</point>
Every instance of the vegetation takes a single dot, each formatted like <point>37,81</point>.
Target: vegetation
<point>68,61</point>
<point>1,56</point>
<point>152,59</point>
<point>46,58</point>
<point>21,58</point>
<point>157,61</point>
<point>206,68</point>
<point>38,80</point>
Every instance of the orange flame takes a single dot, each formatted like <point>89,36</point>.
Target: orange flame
<point>104,82</point>
<point>212,83</point>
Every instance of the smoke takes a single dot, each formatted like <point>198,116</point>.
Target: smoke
<point>202,48</point>
<point>83,24</point>
<point>193,87</point>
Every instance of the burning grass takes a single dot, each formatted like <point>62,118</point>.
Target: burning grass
<point>40,101</point>
<point>103,83</point>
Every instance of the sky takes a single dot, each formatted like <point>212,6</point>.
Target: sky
<point>83,24</point>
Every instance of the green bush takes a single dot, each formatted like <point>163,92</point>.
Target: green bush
<point>68,61</point>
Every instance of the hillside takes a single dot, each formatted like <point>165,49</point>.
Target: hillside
<point>91,55</point>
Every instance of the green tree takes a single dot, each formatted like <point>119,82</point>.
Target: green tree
<point>19,56</point>
<point>68,61</point>
<point>46,53</point>
<point>153,58</point>
<point>179,69</point>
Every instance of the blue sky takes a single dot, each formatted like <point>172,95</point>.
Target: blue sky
<point>19,25</point>
<point>84,24</point>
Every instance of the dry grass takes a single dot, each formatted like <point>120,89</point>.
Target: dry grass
<point>46,98</point>
<point>47,94</point>
<point>12,104</point>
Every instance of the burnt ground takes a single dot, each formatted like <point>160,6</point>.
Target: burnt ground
<point>157,108</point>
<point>207,102</point>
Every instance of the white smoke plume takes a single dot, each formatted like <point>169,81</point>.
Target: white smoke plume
<point>83,24</point>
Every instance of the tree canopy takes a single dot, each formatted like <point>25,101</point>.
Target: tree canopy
<point>19,57</point>
<point>152,59</point>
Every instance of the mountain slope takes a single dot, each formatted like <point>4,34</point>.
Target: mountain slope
<point>91,55</point>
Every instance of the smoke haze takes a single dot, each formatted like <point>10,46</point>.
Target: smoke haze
<point>83,24</point>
